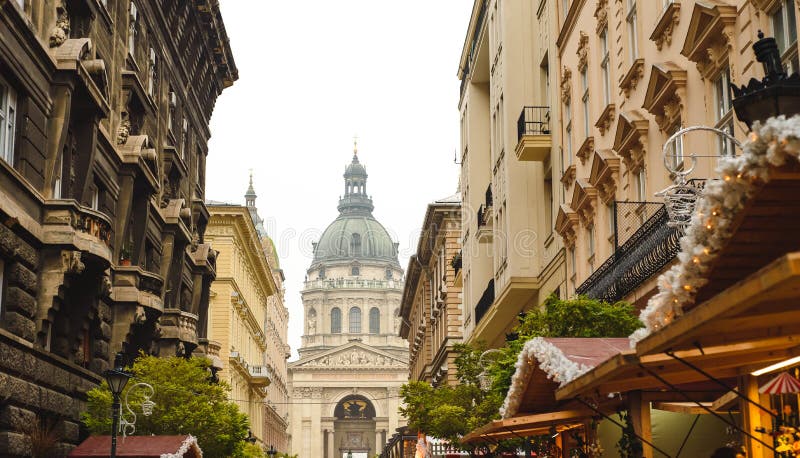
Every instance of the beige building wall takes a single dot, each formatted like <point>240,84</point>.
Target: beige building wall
<point>238,310</point>
<point>432,307</point>
<point>511,261</point>
<point>629,74</point>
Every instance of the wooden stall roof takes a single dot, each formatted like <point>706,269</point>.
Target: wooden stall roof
<point>140,447</point>
<point>538,392</point>
<point>629,371</point>
<point>528,425</point>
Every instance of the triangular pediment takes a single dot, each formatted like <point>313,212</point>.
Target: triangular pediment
<point>353,355</point>
<point>665,80</point>
<point>631,127</point>
<point>708,20</point>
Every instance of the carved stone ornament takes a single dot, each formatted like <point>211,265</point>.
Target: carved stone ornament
<point>123,131</point>
<point>631,79</point>
<point>60,31</point>
<point>583,51</point>
<point>566,85</point>
<point>601,14</point>
<point>606,118</point>
<point>71,262</point>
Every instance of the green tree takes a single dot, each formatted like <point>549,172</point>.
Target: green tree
<point>451,412</point>
<point>185,403</point>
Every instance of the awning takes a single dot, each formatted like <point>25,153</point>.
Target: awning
<point>529,425</point>
<point>140,447</point>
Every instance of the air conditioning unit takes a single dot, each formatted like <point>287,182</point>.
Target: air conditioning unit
<point>173,99</point>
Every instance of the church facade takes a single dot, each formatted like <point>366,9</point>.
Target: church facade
<point>345,386</point>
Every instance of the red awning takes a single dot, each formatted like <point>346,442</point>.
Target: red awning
<point>140,447</point>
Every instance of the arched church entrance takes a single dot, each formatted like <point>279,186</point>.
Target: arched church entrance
<point>354,428</point>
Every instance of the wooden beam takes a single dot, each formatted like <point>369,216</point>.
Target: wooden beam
<point>688,408</point>
<point>752,419</point>
<point>639,411</point>
<point>727,402</point>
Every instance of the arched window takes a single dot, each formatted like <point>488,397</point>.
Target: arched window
<point>355,245</point>
<point>336,321</point>
<point>355,271</point>
<point>374,321</point>
<point>355,320</point>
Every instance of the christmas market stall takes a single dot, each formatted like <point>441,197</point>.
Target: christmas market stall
<point>140,447</point>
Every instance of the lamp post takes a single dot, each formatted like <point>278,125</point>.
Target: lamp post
<point>272,452</point>
<point>116,378</point>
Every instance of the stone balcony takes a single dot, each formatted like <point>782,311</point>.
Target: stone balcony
<point>73,226</point>
<point>132,284</point>
<point>259,375</point>
<point>179,325</point>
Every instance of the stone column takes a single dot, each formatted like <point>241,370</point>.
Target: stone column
<point>378,442</point>
<point>329,433</point>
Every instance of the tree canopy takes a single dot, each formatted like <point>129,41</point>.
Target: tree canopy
<point>450,412</point>
<point>185,403</point>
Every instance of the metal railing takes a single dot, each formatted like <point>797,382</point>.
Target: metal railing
<point>485,301</point>
<point>533,121</point>
<point>642,254</point>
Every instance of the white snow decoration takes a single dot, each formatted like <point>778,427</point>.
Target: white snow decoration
<point>185,446</point>
<point>550,359</point>
<point>769,145</point>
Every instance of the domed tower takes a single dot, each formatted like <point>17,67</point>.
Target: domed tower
<point>346,384</point>
<point>355,282</point>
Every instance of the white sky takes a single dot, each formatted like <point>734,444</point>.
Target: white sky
<point>311,75</point>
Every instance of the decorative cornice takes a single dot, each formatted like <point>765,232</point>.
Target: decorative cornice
<point>663,98</point>
<point>583,197</point>
<point>606,118</point>
<point>601,14</point>
<point>583,51</point>
<point>605,167</point>
<point>631,130</point>
<point>566,85</point>
<point>569,23</point>
<point>566,223</point>
<point>670,17</point>
<point>710,37</point>
<point>569,175</point>
<point>587,147</point>
<point>632,77</point>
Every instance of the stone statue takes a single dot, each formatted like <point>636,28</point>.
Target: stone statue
<point>312,325</point>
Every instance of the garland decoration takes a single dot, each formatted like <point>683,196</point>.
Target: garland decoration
<point>769,145</point>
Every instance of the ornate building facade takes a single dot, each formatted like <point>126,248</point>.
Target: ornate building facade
<point>345,386</point>
<point>104,111</point>
<point>432,309</point>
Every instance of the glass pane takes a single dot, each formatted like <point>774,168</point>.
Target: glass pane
<point>791,27</point>
<point>778,28</point>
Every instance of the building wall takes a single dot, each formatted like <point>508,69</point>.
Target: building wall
<point>432,304</point>
<point>238,311</point>
<point>103,249</point>
<point>665,82</point>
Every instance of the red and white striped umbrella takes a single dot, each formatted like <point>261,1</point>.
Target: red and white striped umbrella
<point>782,384</point>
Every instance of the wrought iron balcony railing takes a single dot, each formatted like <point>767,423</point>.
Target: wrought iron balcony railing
<point>643,253</point>
<point>533,121</point>
<point>485,302</point>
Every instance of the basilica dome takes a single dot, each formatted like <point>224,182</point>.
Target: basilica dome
<point>355,234</point>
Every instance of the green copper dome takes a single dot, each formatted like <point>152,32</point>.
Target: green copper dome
<point>355,237</point>
<point>355,234</point>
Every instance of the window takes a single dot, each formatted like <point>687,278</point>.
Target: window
<point>724,113</point>
<point>173,102</point>
<point>184,138</point>
<point>57,176</point>
<point>604,65</point>
<point>2,284</point>
<point>354,319</point>
<point>132,27</point>
<point>612,227</point>
<point>355,271</point>
<point>355,245</point>
<point>633,41</point>
<point>336,321</point>
<point>321,274</point>
<point>550,210</point>
<point>152,75</point>
<point>784,27</point>
<point>590,239</point>
<point>564,9</point>
<point>389,273</point>
<point>95,203</point>
<point>676,150</point>
<point>568,135</point>
<point>585,100</point>
<point>641,185</point>
<point>374,321</point>
<point>8,121</point>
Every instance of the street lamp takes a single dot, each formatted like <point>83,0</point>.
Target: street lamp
<point>116,378</point>
<point>777,94</point>
<point>272,452</point>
